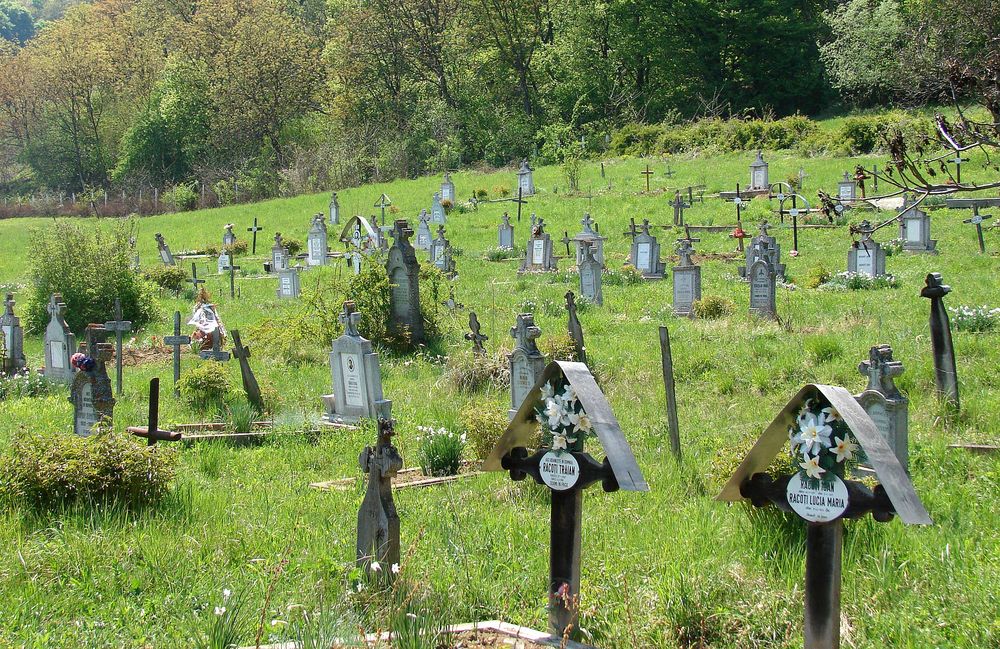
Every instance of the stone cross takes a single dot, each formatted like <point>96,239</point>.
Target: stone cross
<point>176,341</point>
<point>194,281</point>
<point>120,327</point>
<point>883,402</point>
<point>12,358</point>
<point>250,386</point>
<point>152,431</point>
<point>383,202</point>
<point>334,209</point>
<point>685,250</point>
<point>404,279</point>
<point>255,229</point>
<point>526,361</point>
<point>350,318</point>
<point>216,353</point>
<point>475,337</point>
<point>575,329</point>
<point>647,173</point>
<point>378,522</point>
<point>945,372</point>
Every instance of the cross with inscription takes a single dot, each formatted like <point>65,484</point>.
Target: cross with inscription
<point>176,341</point>
<point>566,241</point>
<point>378,522</point>
<point>679,206</point>
<point>977,220</point>
<point>120,327</point>
<point>232,268</point>
<point>575,329</point>
<point>216,353</point>
<point>255,229</point>
<point>151,431</point>
<point>250,386</point>
<point>957,161</point>
<point>383,202</point>
<point>475,337</point>
<point>647,173</point>
<point>194,281</point>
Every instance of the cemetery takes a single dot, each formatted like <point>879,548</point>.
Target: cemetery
<point>667,436</point>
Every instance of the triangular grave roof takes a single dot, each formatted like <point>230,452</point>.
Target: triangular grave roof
<point>348,232</point>
<point>887,468</point>
<point>521,430</point>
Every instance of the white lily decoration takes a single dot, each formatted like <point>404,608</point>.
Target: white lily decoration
<point>814,434</point>
<point>812,467</point>
<point>844,448</point>
<point>558,442</point>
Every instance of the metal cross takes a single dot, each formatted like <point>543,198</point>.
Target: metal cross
<point>194,281</point>
<point>216,353</point>
<point>647,173</point>
<point>176,341</point>
<point>255,229</point>
<point>475,337</point>
<point>383,202</point>
<point>977,220</point>
<point>632,230</point>
<point>958,160</point>
<point>575,329</point>
<point>120,327</point>
<point>520,201</point>
<point>679,205</point>
<point>669,173</point>
<point>566,241</point>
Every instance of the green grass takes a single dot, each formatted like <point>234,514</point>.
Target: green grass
<point>669,568</point>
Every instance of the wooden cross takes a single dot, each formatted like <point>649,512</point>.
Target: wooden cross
<point>383,203</point>
<point>633,231</point>
<point>119,327</point>
<point>475,337</point>
<point>255,229</point>
<point>216,353</point>
<point>378,522</point>
<point>151,431</point>
<point>250,385</point>
<point>232,268</point>
<point>669,173</point>
<point>647,173</point>
<point>194,281</point>
<point>566,241</point>
<point>679,205</point>
<point>520,201</point>
<point>958,160</point>
<point>977,220</point>
<point>575,328</point>
<point>176,341</point>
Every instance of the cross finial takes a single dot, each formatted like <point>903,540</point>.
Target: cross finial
<point>277,239</point>
<point>881,369</point>
<point>506,218</point>
<point>764,227</point>
<point>525,332</point>
<point>424,216</point>
<point>350,318</point>
<point>474,336</point>
<point>9,304</point>
<point>56,306</point>
<point>645,227</point>
<point>401,231</point>
<point>684,251</point>
<point>440,232</point>
<point>586,222</point>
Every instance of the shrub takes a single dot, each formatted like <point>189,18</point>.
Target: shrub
<point>170,278</point>
<point>817,276</point>
<point>974,319</point>
<point>294,245</point>
<point>559,347</point>
<point>446,205</point>
<point>238,248</point>
<point>503,191</point>
<point>481,193</point>
<point>52,469</point>
<point>713,307</point>
<point>24,384</point>
<point>181,197</point>
<point>90,267</point>
<point>241,415</point>
<point>483,428</point>
<point>439,451</point>
<point>206,385</point>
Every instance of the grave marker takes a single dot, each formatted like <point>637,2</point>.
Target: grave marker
<point>356,376</point>
<point>441,254</point>
<point>232,268</point>
<point>279,254</point>
<point>647,173</point>
<point>505,233</point>
<point>526,361</point>
<point>383,202</point>
<point>525,180</point>
<point>762,289</point>
<point>60,343</point>
<point>589,238</point>
<point>334,209</point>
<point>538,257</point>
<point>193,280</point>
<point>90,393</point>
<point>404,277</point>
<point>591,277</point>
<point>165,255</point>
<point>424,236</point>
<point>289,283</point>
<point>378,522</point>
<point>361,240</point>
<point>475,337</point>
<point>250,385</point>
<point>152,431</point>
<point>679,206</point>
<point>884,403</point>
<point>11,340</point>
<point>847,188</point>
<point>120,327</point>
<point>686,278</point>
<point>866,256</point>
<point>975,204</point>
<point>575,329</point>
<point>228,238</point>
<point>945,372</point>
<point>448,188</point>
<point>317,242</point>
<point>254,230</point>
<point>176,341</point>
<point>764,245</point>
<point>437,210</point>
<point>915,228</point>
<point>759,174</point>
<point>223,262</point>
<point>645,253</point>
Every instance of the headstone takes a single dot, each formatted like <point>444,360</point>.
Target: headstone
<point>334,209</point>
<point>526,361</point>
<point>525,180</point>
<point>289,283</point>
<point>404,279</point>
<point>357,378</point>
<point>866,257</point>
<point>361,239</point>
<point>222,265</point>
<point>915,228</point>
<point>378,522</point>
<point>945,371</point>
<point>441,253</point>
<point>538,257</point>
<point>316,242</point>
<point>645,254</point>
<point>847,188</point>
<point>506,233</point>
<point>448,189</point>
<point>228,237</point>
<point>591,279</point>
<point>575,329</point>
<point>437,210</point>
<point>762,289</point>
<point>759,174</point>
<point>686,279</point>
<point>766,246</point>
<point>91,395</point>
<point>589,238</point>
<point>60,343</point>
<point>12,339</point>
<point>884,403</point>
<point>165,255</point>
<point>279,254</point>
<point>475,336</point>
<point>424,236</point>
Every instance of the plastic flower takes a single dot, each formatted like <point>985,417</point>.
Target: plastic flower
<point>376,566</point>
<point>569,395</point>
<point>831,414</point>
<point>814,432</point>
<point>580,422</point>
<point>548,391</point>
<point>395,569</point>
<point>554,412</point>
<point>812,467</point>
<point>844,448</point>
<point>558,442</point>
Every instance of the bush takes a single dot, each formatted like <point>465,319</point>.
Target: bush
<point>439,451</point>
<point>446,205</point>
<point>238,248</point>
<point>503,254</point>
<point>481,193</point>
<point>206,385</point>
<point>713,307</point>
<point>559,347</point>
<point>24,384</point>
<point>625,276</point>
<point>170,278</point>
<point>294,245</point>
<point>503,191</point>
<point>90,267</point>
<point>817,276</point>
<point>181,198</point>
<point>974,319</point>
<point>48,470</point>
<point>483,428</point>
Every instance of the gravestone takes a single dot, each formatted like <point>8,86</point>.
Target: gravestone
<point>505,233</point>
<point>562,465</point>
<point>404,279</point>
<point>759,174</point>
<point>448,189</point>
<point>575,329</point>
<point>334,209</point>
<point>686,279</point>
<point>525,180</point>
<point>589,238</point>
<point>915,228</point>
<point>538,258</point>
<point>762,289</point>
<point>91,395</point>
<point>316,242</point>
<point>945,371</point>
<point>378,522</point>
<point>866,257</point>
<point>60,343</point>
<point>424,236</point>
<point>289,283</point>
<point>437,210</point>
<point>222,265</point>
<point>165,255</point>
<point>847,188</point>
<point>764,245</point>
<point>645,253</point>
<point>441,254</point>
<point>884,403</point>
<point>361,240</point>
<point>526,361</point>
<point>279,254</point>
<point>356,376</point>
<point>475,336</point>
<point>228,237</point>
<point>12,339</point>
<point>591,280</point>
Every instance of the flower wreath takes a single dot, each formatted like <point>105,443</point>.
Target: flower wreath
<point>82,362</point>
<point>564,422</point>
<point>822,440</point>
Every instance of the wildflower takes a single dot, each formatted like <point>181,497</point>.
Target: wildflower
<point>226,593</point>
<point>812,467</point>
<point>220,610</point>
<point>395,568</point>
<point>844,448</point>
<point>376,566</point>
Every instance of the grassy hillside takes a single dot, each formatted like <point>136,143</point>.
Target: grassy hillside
<point>667,568</point>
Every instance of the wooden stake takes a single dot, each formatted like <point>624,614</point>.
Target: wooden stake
<point>668,386</point>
